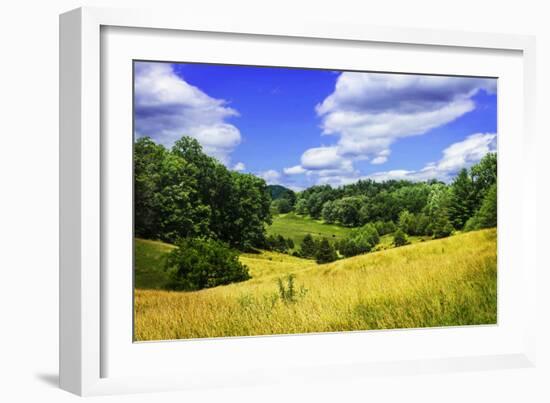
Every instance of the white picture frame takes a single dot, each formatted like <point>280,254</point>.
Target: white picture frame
<point>85,308</point>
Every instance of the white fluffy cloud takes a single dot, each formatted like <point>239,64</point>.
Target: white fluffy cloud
<point>167,107</point>
<point>295,170</point>
<point>381,157</point>
<point>368,112</point>
<point>462,154</point>
<point>271,176</point>
<point>239,166</point>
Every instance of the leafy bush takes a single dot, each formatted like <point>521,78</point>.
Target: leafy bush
<point>290,243</point>
<point>400,238</point>
<point>278,243</point>
<point>281,206</point>
<point>361,240</point>
<point>422,224</point>
<point>384,227</point>
<point>308,248</point>
<point>326,252</point>
<point>441,227</point>
<point>204,263</point>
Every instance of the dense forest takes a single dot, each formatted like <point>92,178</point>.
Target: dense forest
<point>183,193</point>
<point>185,197</point>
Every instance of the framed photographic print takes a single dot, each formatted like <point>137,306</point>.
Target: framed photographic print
<point>242,201</point>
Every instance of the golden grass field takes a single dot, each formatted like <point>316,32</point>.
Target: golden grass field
<point>447,282</point>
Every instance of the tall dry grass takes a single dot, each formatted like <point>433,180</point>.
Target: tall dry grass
<point>446,282</point>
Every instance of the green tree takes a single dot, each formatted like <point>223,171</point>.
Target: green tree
<point>484,175</point>
<point>348,210</point>
<point>330,212</point>
<point>441,227</point>
<point>245,212</point>
<point>308,248</point>
<point>204,263</point>
<point>182,192</point>
<point>422,223</point>
<point>281,206</point>
<point>316,197</point>
<point>383,206</point>
<point>148,159</point>
<point>290,243</point>
<point>413,197</point>
<point>384,227</point>
<point>360,240</point>
<point>180,210</point>
<point>463,199</point>
<point>437,210</point>
<point>284,206</point>
<point>487,213</point>
<point>486,216</point>
<point>400,238</point>
<point>326,252</point>
<point>281,243</point>
<point>301,207</point>
<point>407,222</point>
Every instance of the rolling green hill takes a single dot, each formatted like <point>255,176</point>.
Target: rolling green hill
<point>149,263</point>
<point>445,282</point>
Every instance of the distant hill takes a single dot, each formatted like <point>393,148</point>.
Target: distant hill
<point>280,192</point>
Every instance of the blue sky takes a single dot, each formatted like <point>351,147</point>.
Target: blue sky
<point>300,127</point>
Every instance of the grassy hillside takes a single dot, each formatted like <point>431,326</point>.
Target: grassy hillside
<point>443,282</point>
<point>296,227</point>
<point>149,263</point>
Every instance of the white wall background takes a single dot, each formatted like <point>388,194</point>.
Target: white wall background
<point>29,201</point>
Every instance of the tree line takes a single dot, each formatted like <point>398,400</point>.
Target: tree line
<point>185,197</point>
<point>419,208</point>
<point>183,193</point>
<point>402,208</point>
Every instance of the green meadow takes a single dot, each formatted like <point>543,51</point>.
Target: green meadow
<point>295,227</point>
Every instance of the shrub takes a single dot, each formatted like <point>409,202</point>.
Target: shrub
<point>281,206</point>
<point>288,292</point>
<point>442,227</point>
<point>384,227</point>
<point>326,252</point>
<point>204,263</point>
<point>279,243</point>
<point>400,238</point>
<point>290,243</point>
<point>361,240</point>
<point>472,224</point>
<point>308,248</point>
<point>422,224</point>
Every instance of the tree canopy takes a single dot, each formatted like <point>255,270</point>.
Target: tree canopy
<point>183,192</point>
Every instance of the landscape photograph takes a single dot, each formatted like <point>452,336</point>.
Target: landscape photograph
<point>286,200</point>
